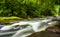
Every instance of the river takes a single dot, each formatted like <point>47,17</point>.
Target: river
<point>26,27</point>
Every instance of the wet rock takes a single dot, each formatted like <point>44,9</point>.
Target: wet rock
<point>49,32</point>
<point>53,29</point>
<point>44,34</point>
<point>1,26</point>
<point>13,28</point>
<point>10,28</point>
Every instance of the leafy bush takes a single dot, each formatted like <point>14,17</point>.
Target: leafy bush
<point>27,8</point>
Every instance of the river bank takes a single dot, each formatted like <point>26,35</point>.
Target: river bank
<point>13,19</point>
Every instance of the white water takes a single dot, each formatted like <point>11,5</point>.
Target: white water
<point>36,27</point>
<point>6,28</point>
<point>33,26</point>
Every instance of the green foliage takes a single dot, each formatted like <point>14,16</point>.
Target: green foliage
<point>27,8</point>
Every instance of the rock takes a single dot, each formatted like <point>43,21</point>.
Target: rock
<point>53,29</point>
<point>1,26</point>
<point>10,28</point>
<point>6,28</point>
<point>44,34</point>
<point>49,32</point>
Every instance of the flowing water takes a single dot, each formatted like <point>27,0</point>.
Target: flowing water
<point>26,27</point>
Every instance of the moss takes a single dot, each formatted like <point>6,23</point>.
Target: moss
<point>7,20</point>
